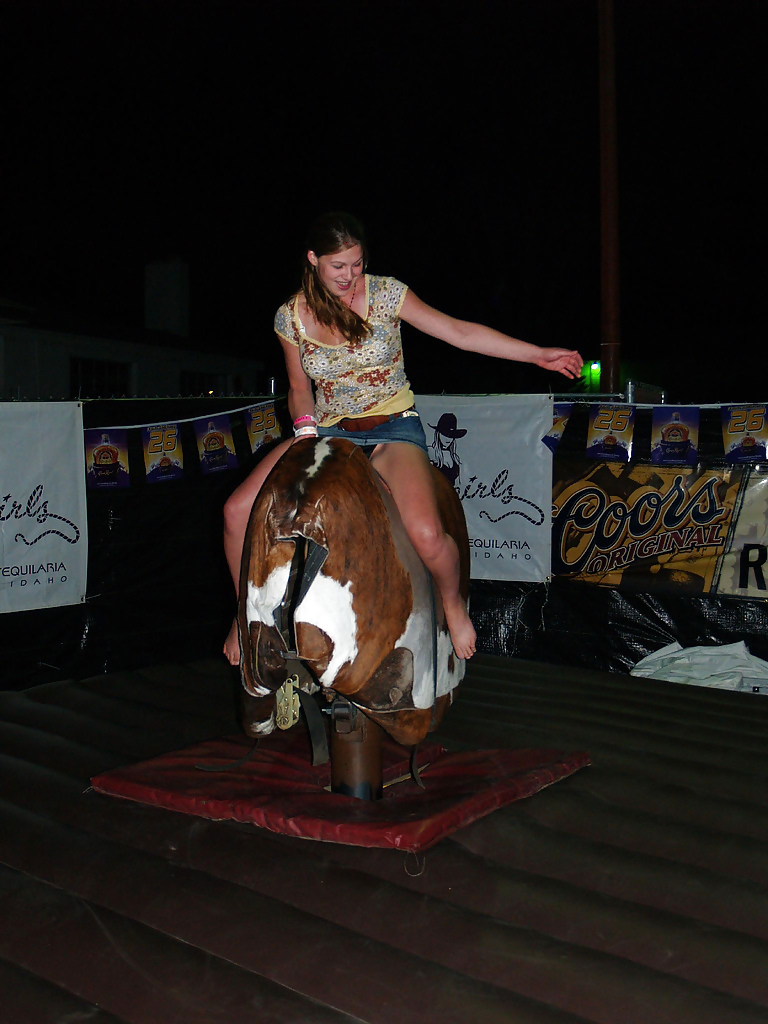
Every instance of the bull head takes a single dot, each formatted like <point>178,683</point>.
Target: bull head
<point>330,580</point>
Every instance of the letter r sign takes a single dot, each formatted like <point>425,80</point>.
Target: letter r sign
<point>753,556</point>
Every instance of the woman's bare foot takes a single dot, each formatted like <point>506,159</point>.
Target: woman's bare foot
<point>231,647</point>
<point>463,636</point>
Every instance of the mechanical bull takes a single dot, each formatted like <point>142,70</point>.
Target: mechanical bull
<point>330,584</point>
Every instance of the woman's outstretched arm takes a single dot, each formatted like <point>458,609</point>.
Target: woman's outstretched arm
<point>485,340</point>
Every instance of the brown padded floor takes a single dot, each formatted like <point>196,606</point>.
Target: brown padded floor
<point>634,892</point>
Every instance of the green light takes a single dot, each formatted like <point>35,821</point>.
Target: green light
<point>593,375</point>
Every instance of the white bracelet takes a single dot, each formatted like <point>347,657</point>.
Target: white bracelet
<point>305,432</point>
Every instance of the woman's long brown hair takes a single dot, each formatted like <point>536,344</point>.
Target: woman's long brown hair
<point>332,233</point>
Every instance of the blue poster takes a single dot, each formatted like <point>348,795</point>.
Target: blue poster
<point>106,458</point>
<point>214,444</point>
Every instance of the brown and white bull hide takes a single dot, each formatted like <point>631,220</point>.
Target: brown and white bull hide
<point>363,623</point>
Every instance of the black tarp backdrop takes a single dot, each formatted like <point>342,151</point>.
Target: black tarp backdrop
<point>158,588</point>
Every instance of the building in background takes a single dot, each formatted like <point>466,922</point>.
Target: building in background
<point>46,355</point>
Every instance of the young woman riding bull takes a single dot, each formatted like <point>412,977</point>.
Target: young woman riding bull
<point>341,340</point>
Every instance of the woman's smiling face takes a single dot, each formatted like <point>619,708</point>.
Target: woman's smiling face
<point>339,271</point>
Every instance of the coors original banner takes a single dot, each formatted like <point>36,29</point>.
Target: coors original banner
<point>642,527</point>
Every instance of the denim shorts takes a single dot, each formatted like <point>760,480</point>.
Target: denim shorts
<point>401,428</point>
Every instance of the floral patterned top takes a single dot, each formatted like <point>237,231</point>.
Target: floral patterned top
<point>355,378</point>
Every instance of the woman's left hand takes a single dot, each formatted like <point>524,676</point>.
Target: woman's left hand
<point>564,360</point>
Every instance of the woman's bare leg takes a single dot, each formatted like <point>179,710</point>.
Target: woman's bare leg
<point>237,511</point>
<point>406,471</point>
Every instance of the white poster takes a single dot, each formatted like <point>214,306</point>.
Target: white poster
<point>491,450</point>
<point>742,570</point>
<point>43,526</point>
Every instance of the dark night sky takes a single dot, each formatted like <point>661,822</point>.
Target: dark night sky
<point>465,137</point>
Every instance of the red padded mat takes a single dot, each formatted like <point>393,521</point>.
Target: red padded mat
<point>278,789</point>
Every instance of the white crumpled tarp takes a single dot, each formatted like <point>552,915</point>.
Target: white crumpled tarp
<point>727,667</point>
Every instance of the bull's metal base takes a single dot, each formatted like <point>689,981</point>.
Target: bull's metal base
<point>356,761</point>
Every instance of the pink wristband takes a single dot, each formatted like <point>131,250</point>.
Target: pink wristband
<point>305,419</point>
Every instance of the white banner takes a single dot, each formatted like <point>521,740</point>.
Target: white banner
<point>490,448</point>
<point>43,525</point>
<point>743,568</point>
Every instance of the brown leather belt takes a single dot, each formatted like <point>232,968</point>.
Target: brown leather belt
<point>358,424</point>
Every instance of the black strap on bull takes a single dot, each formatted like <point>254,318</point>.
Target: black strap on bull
<point>312,713</point>
<point>307,562</point>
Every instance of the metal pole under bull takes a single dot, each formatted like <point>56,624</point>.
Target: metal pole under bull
<point>610,344</point>
<point>356,765</point>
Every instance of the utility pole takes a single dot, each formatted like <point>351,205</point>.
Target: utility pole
<point>610,343</point>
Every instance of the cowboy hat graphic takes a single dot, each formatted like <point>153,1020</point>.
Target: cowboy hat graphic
<point>448,426</point>
<point>446,458</point>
